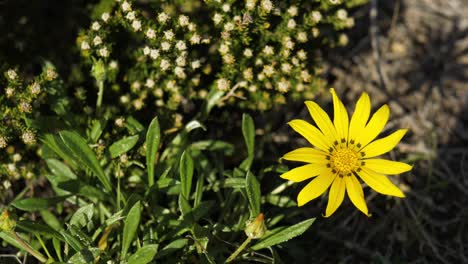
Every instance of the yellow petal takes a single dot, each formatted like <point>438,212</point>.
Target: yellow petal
<point>309,155</point>
<point>315,188</point>
<point>355,193</point>
<point>340,117</point>
<point>311,133</point>
<point>336,196</point>
<point>383,145</point>
<point>387,166</point>
<point>303,172</point>
<point>322,120</point>
<point>375,126</point>
<point>380,183</point>
<point>359,118</point>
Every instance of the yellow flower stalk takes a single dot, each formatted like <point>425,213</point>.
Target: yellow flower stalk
<point>342,151</point>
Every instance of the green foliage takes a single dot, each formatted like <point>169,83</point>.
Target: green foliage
<point>138,170</point>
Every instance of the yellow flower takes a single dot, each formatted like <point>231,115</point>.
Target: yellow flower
<point>344,149</point>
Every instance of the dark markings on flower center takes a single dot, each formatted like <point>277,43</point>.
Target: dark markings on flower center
<point>358,145</point>
<point>330,149</point>
<point>351,141</point>
<point>362,153</point>
<point>336,142</point>
<point>343,140</point>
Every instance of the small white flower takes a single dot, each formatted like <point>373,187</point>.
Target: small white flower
<point>16,157</point>
<point>192,27</point>
<point>316,16</point>
<point>195,39</point>
<point>250,4</point>
<point>9,92</point>
<point>126,6</point>
<point>217,18</point>
<point>302,55</point>
<point>195,64</point>
<point>302,37</point>
<point>105,17</point>
<point>11,167</point>
<point>223,84</point>
<point>97,41</point>
<point>163,17</point>
<point>335,2</point>
<point>149,83</point>
<point>154,54</point>
<point>146,50</point>
<point>113,65</point>
<point>342,14</point>
<point>168,34</point>
<point>266,5</point>
<point>103,52</point>
<point>228,26</point>
<point>28,137</point>
<point>315,32</point>
<point>85,45</point>
<point>181,61</point>
<point>150,33</point>
<point>24,107</point>
<point>283,85</point>
<point>11,74</point>
<point>229,59</point>
<point>268,70</point>
<point>179,72</point>
<point>252,88</point>
<point>124,99</point>
<point>248,74</point>
<point>95,26</point>
<point>293,10</point>
<point>136,85</point>
<point>286,67</point>
<point>183,20</point>
<point>268,50</point>
<point>288,43</point>
<point>120,122</point>
<point>223,49</point>
<point>291,23</point>
<point>7,184</point>
<point>3,142</point>
<point>226,7</point>
<point>131,15</point>
<point>305,76</point>
<point>158,92</point>
<point>136,25</point>
<point>165,45</point>
<point>180,45</point>
<point>248,53</point>
<point>343,40</point>
<point>35,88</point>
<point>164,64</point>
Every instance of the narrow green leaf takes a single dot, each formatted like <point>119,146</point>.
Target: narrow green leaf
<point>143,255</point>
<point>95,131</point>
<point>153,136</point>
<point>186,173</point>
<point>211,100</point>
<point>214,145</point>
<point>85,156</point>
<point>122,146</point>
<point>51,220</point>
<point>172,247</point>
<point>248,130</point>
<point>235,183</point>
<point>133,125</point>
<point>194,124</point>
<point>85,256</point>
<point>184,205</point>
<point>37,228</point>
<point>253,194</point>
<point>131,223</point>
<point>54,143</point>
<point>36,204</point>
<point>72,241</point>
<point>284,234</point>
<point>60,169</point>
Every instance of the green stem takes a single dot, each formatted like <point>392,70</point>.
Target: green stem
<point>238,250</point>
<point>100,95</point>
<point>29,249</point>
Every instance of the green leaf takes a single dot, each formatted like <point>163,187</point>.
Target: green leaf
<point>56,144</point>
<point>248,130</point>
<point>253,194</point>
<point>95,131</point>
<point>60,169</point>
<point>36,204</point>
<point>284,234</point>
<point>72,240</point>
<point>184,205</point>
<point>214,145</point>
<point>172,247</point>
<point>186,173</point>
<point>211,100</point>
<point>85,156</point>
<point>131,223</point>
<point>82,216</point>
<point>235,183</point>
<point>122,146</point>
<point>133,125</point>
<point>281,200</point>
<point>194,124</point>
<point>85,256</point>
<point>37,228</point>
<point>153,136</point>
<point>143,255</point>
<point>51,220</point>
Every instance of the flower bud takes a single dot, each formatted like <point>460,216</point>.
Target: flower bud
<point>6,223</point>
<point>256,229</point>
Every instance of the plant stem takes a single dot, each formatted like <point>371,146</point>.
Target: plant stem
<point>29,249</point>
<point>238,250</point>
<point>100,95</point>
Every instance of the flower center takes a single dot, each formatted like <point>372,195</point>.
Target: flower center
<point>344,161</point>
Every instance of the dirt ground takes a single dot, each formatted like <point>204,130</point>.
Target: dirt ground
<point>414,57</point>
